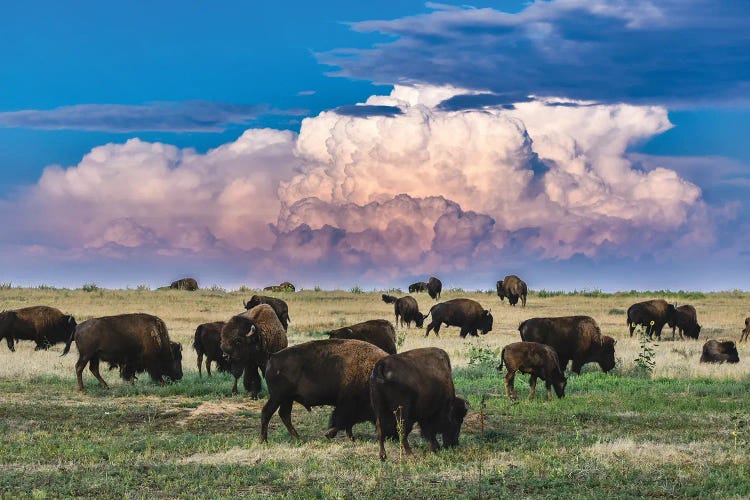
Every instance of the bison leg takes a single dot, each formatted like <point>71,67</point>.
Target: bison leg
<point>433,326</point>
<point>381,437</point>
<point>200,362</point>
<point>743,336</point>
<point>631,327</point>
<point>285,412</point>
<point>577,365</point>
<point>234,386</point>
<point>251,382</point>
<point>9,341</point>
<point>94,368</point>
<point>208,366</point>
<point>510,390</point>
<point>549,390</point>
<point>268,410</point>
<point>523,301</point>
<point>532,387</point>
<point>80,365</point>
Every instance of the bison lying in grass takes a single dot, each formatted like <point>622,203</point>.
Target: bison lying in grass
<point>720,351</point>
<point>416,387</point>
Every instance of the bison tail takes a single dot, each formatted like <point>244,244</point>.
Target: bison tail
<point>197,340</point>
<point>68,342</point>
<point>502,360</point>
<point>378,374</point>
<point>521,327</point>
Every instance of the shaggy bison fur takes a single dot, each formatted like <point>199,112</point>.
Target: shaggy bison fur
<point>46,326</point>
<point>538,360</point>
<point>378,332</point>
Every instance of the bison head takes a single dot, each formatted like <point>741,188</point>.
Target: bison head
<point>485,323</point>
<point>500,290</point>
<point>254,301</point>
<point>559,387</point>
<point>693,331</point>
<point>671,315</point>
<point>604,353</point>
<point>729,348</point>
<point>174,367</point>
<point>241,340</point>
<point>454,418</point>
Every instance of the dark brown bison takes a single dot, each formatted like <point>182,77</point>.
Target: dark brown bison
<point>279,306</point>
<point>248,339</point>
<point>538,360</point>
<point>434,287</point>
<point>575,338</point>
<point>720,351</point>
<point>512,287</point>
<point>419,286</point>
<point>377,332</point>
<point>746,331</point>
<point>407,310</point>
<point>188,284</point>
<point>332,372</point>
<point>687,322</point>
<point>207,342</point>
<point>46,326</point>
<point>283,287</point>
<point>652,315</point>
<point>416,387</point>
<point>389,299</point>
<point>465,313</point>
<point>133,342</point>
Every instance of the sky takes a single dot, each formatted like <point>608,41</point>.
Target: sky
<point>594,144</point>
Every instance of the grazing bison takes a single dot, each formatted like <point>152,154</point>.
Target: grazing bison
<point>377,332</point>
<point>575,338</point>
<point>465,313</point>
<point>133,342</point>
<point>720,351</point>
<point>538,360</point>
<point>512,287</point>
<point>188,284</point>
<point>46,326</point>
<point>434,287</point>
<point>389,299</point>
<point>283,287</point>
<point>207,343</point>
<point>419,286</point>
<point>279,306</point>
<point>746,331</point>
<point>687,322</point>
<point>652,315</point>
<point>407,310</point>
<point>248,339</point>
<point>416,387</point>
<point>332,372</point>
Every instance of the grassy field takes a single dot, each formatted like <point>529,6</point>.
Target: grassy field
<point>682,430</point>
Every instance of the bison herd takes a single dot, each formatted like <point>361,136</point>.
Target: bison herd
<point>357,370</point>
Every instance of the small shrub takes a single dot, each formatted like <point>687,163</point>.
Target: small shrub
<point>317,288</point>
<point>244,289</point>
<point>217,288</point>
<point>90,287</point>
<point>6,286</point>
<point>483,357</point>
<point>616,311</point>
<point>143,287</point>
<point>45,287</point>
<point>645,361</point>
<point>400,339</point>
<point>357,289</point>
<point>394,290</point>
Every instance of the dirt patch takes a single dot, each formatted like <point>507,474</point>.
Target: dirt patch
<point>221,408</point>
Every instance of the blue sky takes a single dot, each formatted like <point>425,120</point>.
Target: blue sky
<point>81,75</point>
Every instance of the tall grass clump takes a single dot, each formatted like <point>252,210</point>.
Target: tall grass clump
<point>357,289</point>
<point>90,287</point>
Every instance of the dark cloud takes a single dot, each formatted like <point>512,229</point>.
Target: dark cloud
<point>188,116</point>
<point>477,101</point>
<point>680,52</point>
<point>366,110</point>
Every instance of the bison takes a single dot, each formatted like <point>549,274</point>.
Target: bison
<point>207,342</point>
<point>45,325</point>
<point>419,286</point>
<point>279,306</point>
<point>188,284</point>
<point>321,372</point>
<point>720,351</point>
<point>377,332</point>
<point>434,287</point>
<point>687,322</point>
<point>575,338</point>
<point>133,342</point>
<point>248,339</point>
<point>389,299</point>
<point>538,360</point>
<point>416,387</point>
<point>465,313</point>
<point>652,315</point>
<point>746,331</point>
<point>283,287</point>
<point>407,310</point>
<point>512,287</point>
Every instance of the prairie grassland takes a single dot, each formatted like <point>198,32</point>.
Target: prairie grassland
<point>681,431</point>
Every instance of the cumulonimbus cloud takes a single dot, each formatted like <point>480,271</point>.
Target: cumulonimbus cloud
<point>381,194</point>
<point>676,52</point>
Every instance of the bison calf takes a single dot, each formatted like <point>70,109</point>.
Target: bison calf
<point>388,299</point>
<point>133,342</point>
<point>720,351</point>
<point>207,342</point>
<point>321,372</point>
<point>538,360</point>
<point>416,387</point>
<point>377,332</point>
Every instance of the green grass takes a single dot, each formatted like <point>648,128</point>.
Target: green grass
<point>136,440</point>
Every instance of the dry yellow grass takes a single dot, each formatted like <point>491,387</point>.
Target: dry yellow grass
<point>721,314</point>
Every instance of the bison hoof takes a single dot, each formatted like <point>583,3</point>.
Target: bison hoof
<point>332,433</point>
<point>382,457</point>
